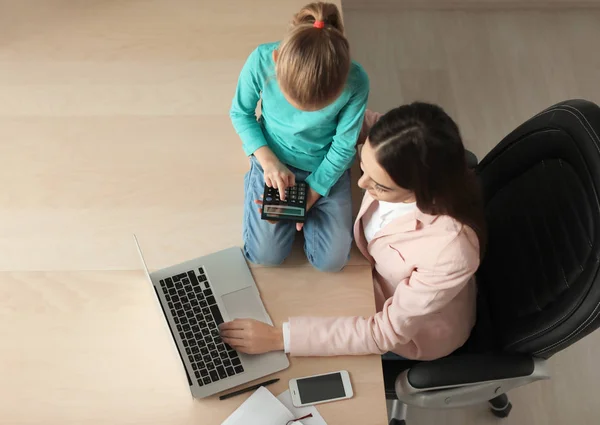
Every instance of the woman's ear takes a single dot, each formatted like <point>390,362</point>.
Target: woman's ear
<point>275,55</point>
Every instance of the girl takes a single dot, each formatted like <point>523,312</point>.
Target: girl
<point>313,99</point>
<point>421,227</point>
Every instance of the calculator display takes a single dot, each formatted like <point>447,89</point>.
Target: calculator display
<point>283,210</point>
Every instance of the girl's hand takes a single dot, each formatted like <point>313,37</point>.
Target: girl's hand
<point>311,199</point>
<point>279,176</point>
<point>251,336</point>
<point>259,202</point>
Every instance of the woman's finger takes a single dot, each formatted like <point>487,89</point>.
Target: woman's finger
<point>236,344</point>
<point>233,334</point>
<point>234,324</point>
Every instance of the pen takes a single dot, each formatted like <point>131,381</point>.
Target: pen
<point>245,390</point>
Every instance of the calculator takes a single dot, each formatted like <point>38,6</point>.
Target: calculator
<point>293,208</point>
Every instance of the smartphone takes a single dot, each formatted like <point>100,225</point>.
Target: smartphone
<point>322,388</point>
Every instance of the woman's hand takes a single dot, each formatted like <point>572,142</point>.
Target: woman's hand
<point>251,336</point>
<point>279,176</point>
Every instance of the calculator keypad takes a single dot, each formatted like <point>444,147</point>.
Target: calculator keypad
<point>294,196</point>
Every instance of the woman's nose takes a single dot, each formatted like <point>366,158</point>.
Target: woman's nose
<point>362,182</point>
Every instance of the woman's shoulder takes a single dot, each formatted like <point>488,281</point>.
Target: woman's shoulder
<point>450,228</point>
<point>452,240</point>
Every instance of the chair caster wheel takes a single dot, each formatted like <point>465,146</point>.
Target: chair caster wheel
<point>397,422</point>
<point>500,406</point>
<point>502,413</point>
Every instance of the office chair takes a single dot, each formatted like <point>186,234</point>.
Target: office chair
<point>538,285</point>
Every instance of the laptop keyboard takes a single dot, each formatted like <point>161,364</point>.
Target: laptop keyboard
<point>197,317</point>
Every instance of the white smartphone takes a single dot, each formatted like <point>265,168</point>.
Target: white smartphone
<point>322,388</point>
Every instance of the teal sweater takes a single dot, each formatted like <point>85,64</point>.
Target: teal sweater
<point>320,142</point>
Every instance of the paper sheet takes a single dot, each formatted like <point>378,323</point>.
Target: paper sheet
<point>261,408</point>
<point>286,399</point>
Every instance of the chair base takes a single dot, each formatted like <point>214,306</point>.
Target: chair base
<point>500,406</point>
<point>396,412</point>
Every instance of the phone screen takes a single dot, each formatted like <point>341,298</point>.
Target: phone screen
<point>320,388</point>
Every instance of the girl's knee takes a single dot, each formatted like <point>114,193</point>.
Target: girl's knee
<point>265,255</point>
<point>265,250</point>
<point>329,264</point>
<point>329,256</point>
<point>328,251</point>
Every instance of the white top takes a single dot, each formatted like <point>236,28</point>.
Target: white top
<point>286,337</point>
<point>385,212</point>
<point>373,222</point>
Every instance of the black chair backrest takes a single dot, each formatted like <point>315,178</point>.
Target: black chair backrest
<point>539,279</point>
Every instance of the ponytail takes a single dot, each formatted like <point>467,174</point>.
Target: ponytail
<point>313,60</point>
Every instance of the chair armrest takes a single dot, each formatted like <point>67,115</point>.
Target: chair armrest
<point>460,380</point>
<point>468,369</point>
<point>391,370</point>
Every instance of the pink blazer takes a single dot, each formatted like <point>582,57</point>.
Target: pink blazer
<point>423,269</point>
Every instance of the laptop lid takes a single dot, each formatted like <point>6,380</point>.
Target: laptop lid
<point>139,249</point>
<point>137,244</point>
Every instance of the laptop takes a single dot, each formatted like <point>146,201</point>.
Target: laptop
<point>198,295</point>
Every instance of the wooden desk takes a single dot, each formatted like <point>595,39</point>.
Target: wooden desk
<point>113,121</point>
<point>93,348</point>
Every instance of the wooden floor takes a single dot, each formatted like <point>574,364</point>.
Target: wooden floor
<point>492,71</point>
<point>110,124</point>
<point>114,120</point>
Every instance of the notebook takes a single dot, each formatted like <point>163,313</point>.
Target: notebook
<point>286,399</point>
<point>262,408</point>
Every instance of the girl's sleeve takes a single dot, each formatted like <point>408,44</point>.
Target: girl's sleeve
<point>243,108</point>
<point>343,147</point>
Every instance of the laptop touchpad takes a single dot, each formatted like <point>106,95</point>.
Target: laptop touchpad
<point>244,304</point>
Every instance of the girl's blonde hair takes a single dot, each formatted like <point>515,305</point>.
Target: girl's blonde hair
<point>313,60</point>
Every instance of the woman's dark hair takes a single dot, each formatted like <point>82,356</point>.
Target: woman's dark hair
<point>421,149</point>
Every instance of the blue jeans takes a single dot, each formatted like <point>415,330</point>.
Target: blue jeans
<point>327,230</point>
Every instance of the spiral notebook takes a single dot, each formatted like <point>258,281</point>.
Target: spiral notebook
<point>263,408</point>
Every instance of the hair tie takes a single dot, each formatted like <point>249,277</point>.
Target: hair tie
<point>319,24</point>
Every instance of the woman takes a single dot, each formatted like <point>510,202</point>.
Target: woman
<point>421,226</point>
